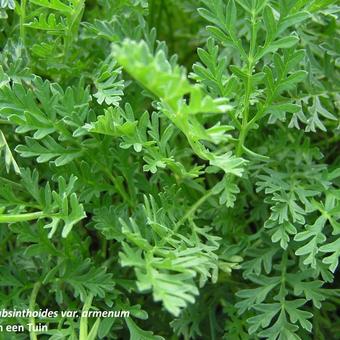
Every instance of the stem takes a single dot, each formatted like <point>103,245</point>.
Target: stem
<point>14,184</point>
<point>192,209</point>
<point>151,13</point>
<point>120,189</point>
<point>170,26</point>
<point>83,320</point>
<point>244,130</point>
<point>6,122</point>
<point>249,84</point>
<point>211,324</point>
<point>73,21</point>
<point>21,217</point>
<point>159,15</point>
<point>118,185</point>
<point>32,302</point>
<point>282,293</point>
<point>104,248</point>
<point>22,20</point>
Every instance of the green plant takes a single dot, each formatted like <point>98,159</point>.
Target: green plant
<point>205,202</point>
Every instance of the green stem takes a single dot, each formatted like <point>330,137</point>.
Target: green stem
<point>83,320</point>
<point>282,293</point>
<point>21,217</point>
<point>170,26</point>
<point>159,16</point>
<point>73,23</point>
<point>32,302</point>
<point>12,183</point>
<point>120,189</point>
<point>6,122</point>
<point>211,324</point>
<point>244,130</point>
<point>193,208</point>
<point>249,85</point>
<point>22,20</point>
<point>104,248</point>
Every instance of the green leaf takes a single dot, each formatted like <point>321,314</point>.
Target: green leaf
<point>48,22</point>
<point>281,232</point>
<point>47,150</point>
<point>7,3</point>
<point>292,80</point>
<point>136,333</point>
<point>311,290</point>
<point>315,111</point>
<point>253,297</point>
<point>292,20</point>
<point>285,42</point>
<point>53,4</point>
<point>227,190</point>
<point>85,279</point>
<point>229,164</point>
<point>297,315</point>
<point>267,313</point>
<point>109,89</point>
<point>310,249</point>
<point>9,159</point>
<point>333,259</point>
<point>114,123</point>
<point>270,23</point>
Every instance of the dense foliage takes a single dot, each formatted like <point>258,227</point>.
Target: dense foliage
<point>178,159</point>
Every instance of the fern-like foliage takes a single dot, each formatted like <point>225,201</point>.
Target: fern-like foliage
<point>175,160</point>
